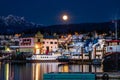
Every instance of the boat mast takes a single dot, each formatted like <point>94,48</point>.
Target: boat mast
<point>116,29</point>
<point>116,34</point>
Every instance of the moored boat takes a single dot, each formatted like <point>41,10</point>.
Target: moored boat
<point>63,58</point>
<point>43,57</point>
<point>111,60</point>
<point>96,61</point>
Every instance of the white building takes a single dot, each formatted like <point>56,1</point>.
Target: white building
<point>38,44</point>
<point>50,43</point>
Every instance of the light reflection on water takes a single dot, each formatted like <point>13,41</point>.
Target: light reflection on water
<point>35,71</point>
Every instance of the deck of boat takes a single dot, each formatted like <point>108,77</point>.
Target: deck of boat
<point>88,75</point>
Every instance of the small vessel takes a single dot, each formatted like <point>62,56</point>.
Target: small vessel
<point>96,61</point>
<point>43,57</point>
<point>20,55</point>
<point>63,58</point>
<point>111,60</point>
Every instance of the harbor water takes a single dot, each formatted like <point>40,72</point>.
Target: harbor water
<point>35,71</point>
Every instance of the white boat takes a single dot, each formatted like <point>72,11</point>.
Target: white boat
<point>43,57</point>
<point>95,49</point>
<point>98,49</point>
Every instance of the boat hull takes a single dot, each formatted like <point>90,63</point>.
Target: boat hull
<point>111,62</point>
<point>43,57</point>
<point>63,59</point>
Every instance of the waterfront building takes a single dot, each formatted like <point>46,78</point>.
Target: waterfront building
<point>38,43</point>
<point>50,43</point>
<point>31,43</point>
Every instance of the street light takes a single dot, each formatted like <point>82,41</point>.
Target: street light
<point>36,46</point>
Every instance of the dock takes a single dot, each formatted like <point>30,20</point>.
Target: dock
<point>110,75</point>
<point>71,61</point>
<point>28,61</point>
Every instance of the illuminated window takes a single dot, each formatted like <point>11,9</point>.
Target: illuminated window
<point>28,39</point>
<point>51,42</point>
<point>38,40</point>
<point>55,42</point>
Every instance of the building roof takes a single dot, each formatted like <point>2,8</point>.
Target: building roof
<point>49,37</point>
<point>27,35</point>
<point>33,35</point>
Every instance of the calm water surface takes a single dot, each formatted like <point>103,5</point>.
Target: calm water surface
<point>35,71</point>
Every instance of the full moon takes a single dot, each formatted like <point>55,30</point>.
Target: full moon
<point>65,17</point>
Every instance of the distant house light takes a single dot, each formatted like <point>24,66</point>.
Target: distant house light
<point>36,46</point>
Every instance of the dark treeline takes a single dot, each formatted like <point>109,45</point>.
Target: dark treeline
<point>104,27</point>
<point>14,24</point>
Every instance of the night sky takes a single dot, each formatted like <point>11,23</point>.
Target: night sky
<point>49,12</point>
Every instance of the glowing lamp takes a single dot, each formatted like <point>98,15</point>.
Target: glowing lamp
<point>36,46</point>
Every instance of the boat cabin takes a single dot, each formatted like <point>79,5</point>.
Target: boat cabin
<point>112,46</point>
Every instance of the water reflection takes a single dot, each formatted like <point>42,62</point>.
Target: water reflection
<point>80,68</point>
<point>38,69</point>
<point>35,71</point>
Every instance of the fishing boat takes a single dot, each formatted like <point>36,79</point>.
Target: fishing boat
<point>111,60</point>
